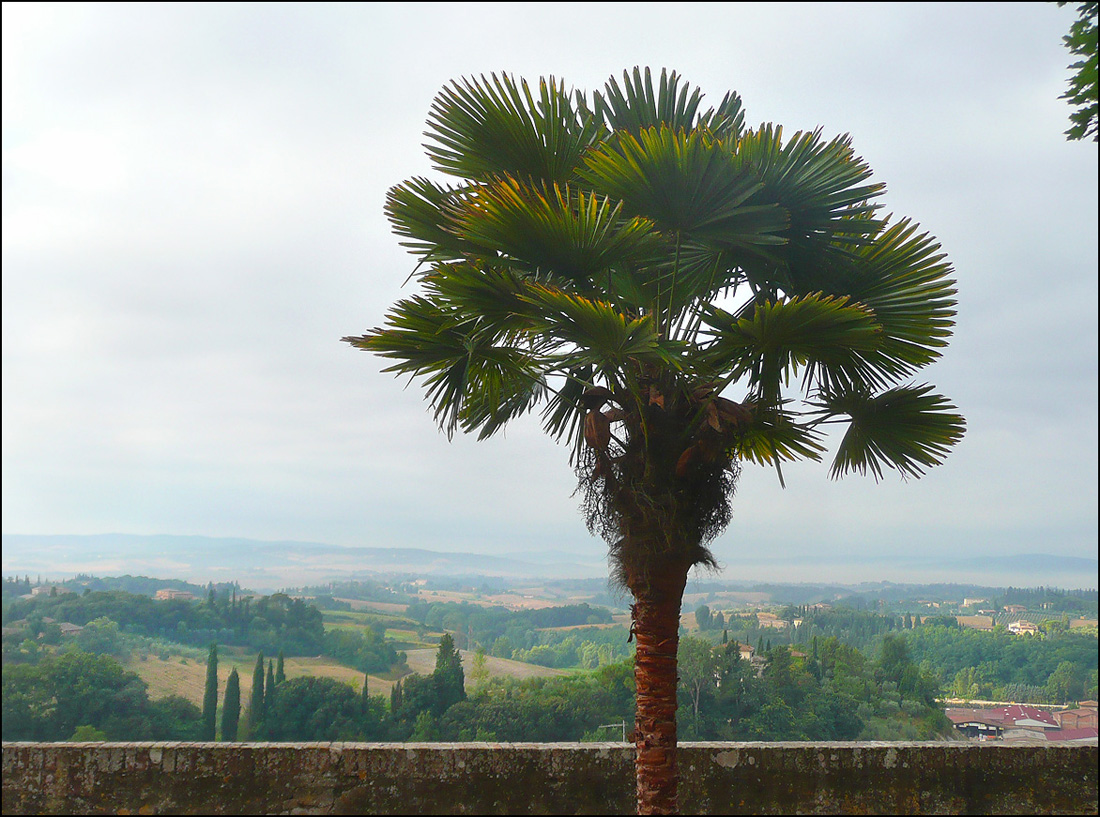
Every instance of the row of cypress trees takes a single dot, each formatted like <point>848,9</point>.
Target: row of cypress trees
<point>262,696</point>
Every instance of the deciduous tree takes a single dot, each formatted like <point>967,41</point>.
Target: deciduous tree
<point>1082,94</point>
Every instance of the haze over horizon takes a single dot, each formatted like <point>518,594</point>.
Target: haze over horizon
<point>267,566</point>
<point>192,219</point>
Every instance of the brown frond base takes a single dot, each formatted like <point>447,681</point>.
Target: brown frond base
<point>650,519</point>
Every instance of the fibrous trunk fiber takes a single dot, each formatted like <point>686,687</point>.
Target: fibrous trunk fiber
<point>656,628</point>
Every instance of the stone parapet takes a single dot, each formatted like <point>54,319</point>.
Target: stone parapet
<point>543,778</point>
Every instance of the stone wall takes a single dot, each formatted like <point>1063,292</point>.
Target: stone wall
<point>541,778</point>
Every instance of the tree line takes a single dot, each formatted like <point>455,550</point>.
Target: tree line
<point>831,693</point>
<point>998,665</point>
<point>268,623</point>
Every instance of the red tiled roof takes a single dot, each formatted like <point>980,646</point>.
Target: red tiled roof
<point>1012,714</point>
<point>962,715</point>
<point>1072,734</point>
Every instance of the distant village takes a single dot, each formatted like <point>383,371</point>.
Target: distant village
<point>1001,720</point>
<point>1024,723</point>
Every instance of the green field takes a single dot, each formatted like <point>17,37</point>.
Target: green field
<point>399,629</point>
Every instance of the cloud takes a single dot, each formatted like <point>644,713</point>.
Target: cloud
<point>192,219</point>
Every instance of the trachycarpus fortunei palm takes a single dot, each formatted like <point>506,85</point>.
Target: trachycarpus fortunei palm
<point>627,260</point>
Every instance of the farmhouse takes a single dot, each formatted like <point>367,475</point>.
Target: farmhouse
<point>168,594</point>
<point>1082,717</point>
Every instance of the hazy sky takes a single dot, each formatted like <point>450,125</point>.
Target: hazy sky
<point>192,219</point>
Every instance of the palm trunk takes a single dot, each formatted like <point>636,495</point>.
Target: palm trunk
<point>656,629</point>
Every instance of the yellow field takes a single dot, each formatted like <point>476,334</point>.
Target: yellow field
<point>379,606</point>
<point>189,680</point>
<point>510,600</point>
<point>617,620</point>
<point>423,662</point>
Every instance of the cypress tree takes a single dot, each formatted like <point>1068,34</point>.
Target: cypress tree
<point>395,697</point>
<point>256,700</point>
<point>231,708</point>
<point>210,695</point>
<point>364,700</point>
<point>269,690</point>
<point>280,675</point>
<point>448,677</point>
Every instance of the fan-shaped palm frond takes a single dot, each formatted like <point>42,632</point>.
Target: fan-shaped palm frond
<point>904,279</point>
<point>416,211</point>
<point>684,181</point>
<point>553,230</point>
<point>907,427</point>
<point>494,294</point>
<point>821,186</point>
<point>483,129</point>
<point>774,436</point>
<point>601,335</point>
<point>472,379</point>
<point>778,338</point>
<point>637,105</point>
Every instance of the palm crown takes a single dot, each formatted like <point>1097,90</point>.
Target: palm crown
<point>628,261</point>
<point>597,243</point>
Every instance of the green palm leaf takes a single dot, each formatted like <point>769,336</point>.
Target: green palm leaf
<point>821,186</point>
<point>497,390</point>
<point>636,105</point>
<point>687,182</point>
<point>415,209</point>
<point>554,230</point>
<point>471,378</point>
<point>602,336</point>
<point>780,337</point>
<point>904,279</point>
<point>564,414</point>
<point>819,183</point>
<point>773,437</point>
<point>493,127</point>
<point>907,427</point>
<point>496,295</point>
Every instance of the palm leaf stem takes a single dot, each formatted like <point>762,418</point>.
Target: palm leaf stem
<point>672,288</point>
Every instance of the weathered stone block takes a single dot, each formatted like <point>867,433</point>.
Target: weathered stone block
<point>537,778</point>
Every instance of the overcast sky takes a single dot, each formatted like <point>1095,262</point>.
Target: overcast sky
<point>192,219</point>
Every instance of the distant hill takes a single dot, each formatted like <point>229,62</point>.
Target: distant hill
<point>1027,563</point>
<point>266,566</point>
<point>258,564</point>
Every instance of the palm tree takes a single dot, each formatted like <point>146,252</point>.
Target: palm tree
<point>628,262</point>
